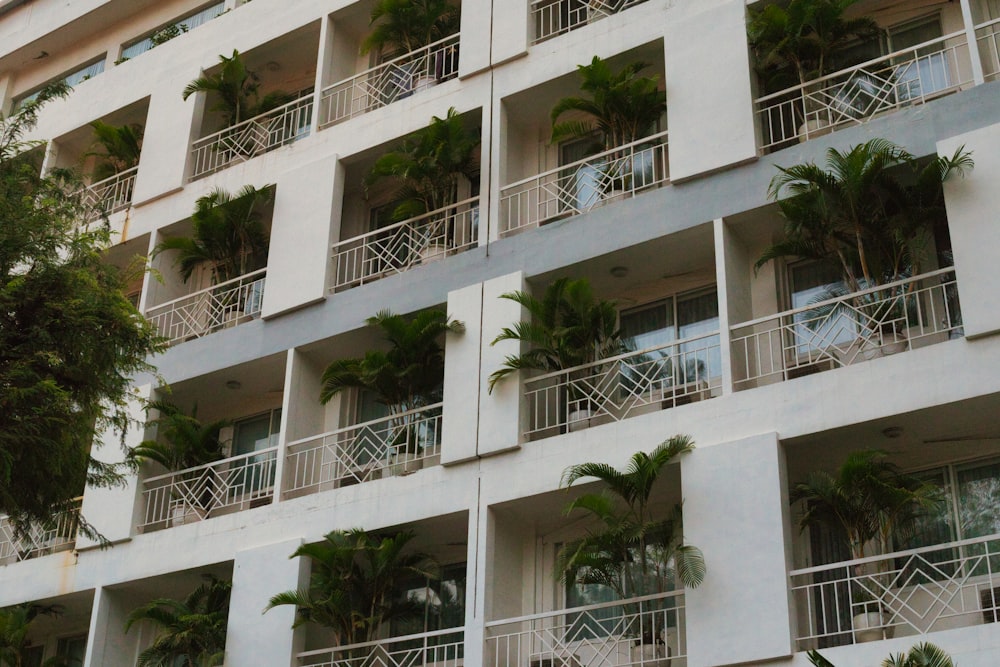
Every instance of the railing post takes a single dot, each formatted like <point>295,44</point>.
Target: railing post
<point>970,37</point>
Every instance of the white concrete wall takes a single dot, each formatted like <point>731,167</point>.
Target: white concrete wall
<point>460,419</point>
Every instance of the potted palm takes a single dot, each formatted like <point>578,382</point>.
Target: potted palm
<point>924,654</point>
<point>120,146</point>
<point>868,503</point>
<point>634,548</point>
<point>426,169</point>
<point>237,90</point>
<point>569,327</point>
<point>407,376</point>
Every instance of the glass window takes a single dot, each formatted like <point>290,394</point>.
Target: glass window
<point>183,25</point>
<point>256,433</point>
<point>71,79</point>
<point>931,71</point>
<point>32,656</point>
<point>72,650</point>
<point>583,182</point>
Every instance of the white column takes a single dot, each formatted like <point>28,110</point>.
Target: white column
<point>172,125</point>
<point>323,60</point>
<point>461,377</point>
<point>975,58</point>
<point>107,643</point>
<point>731,262</point>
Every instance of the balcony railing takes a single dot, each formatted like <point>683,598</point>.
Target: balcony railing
<point>231,485</point>
<point>253,137</point>
<point>112,194</point>
<point>41,539</point>
<point>395,445</point>
<point>206,311</point>
<point>391,81</point>
<point>836,332</point>
<point>619,387</point>
<point>857,94</point>
<point>440,648</point>
<point>904,593</point>
<point>585,184</point>
<point>403,245</point>
<point>599,635</point>
<point>554,17</point>
<point>988,38</point>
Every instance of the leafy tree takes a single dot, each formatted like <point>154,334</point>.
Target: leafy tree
<point>924,654</point>
<point>403,26</point>
<point>192,630</point>
<point>353,585</point>
<point>15,622</point>
<point>120,148</point>
<point>238,91</point>
<point>70,340</point>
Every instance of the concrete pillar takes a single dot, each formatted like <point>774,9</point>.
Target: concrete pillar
<point>461,376</point>
<point>498,431</point>
<point>975,58</point>
<point>475,32</point>
<point>107,643</point>
<point>171,126</point>
<point>735,305</point>
<point>736,511</point>
<point>510,30</point>
<point>255,638</point>
<point>306,221</point>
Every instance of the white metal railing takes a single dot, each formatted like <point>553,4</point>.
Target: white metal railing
<point>619,387</point>
<point>903,593</point>
<point>554,17</point>
<point>988,39</point>
<point>645,631</point>
<point>391,81</point>
<point>394,445</point>
<point>211,309</point>
<point>439,648</point>
<point>585,184</point>
<point>872,323</point>
<point>56,534</point>
<point>226,486</point>
<point>857,94</point>
<point>250,138</point>
<point>111,194</point>
<point>403,245</point>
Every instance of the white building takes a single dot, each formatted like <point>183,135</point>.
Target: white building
<point>487,500</point>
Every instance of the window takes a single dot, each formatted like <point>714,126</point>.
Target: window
<point>442,605</point>
<point>931,71</point>
<point>812,282</point>
<point>72,650</point>
<point>183,25</point>
<point>72,79</point>
<point>32,656</point>
<point>253,435</point>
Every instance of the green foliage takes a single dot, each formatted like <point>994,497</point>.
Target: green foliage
<point>871,210</point>
<point>120,148</point>
<point>924,654</point>
<point>427,166</point>
<point>238,91</point>
<point>798,42</point>
<point>568,327</point>
<point>192,629</point>
<point>182,440</point>
<point>229,235</point>
<point>166,34</point>
<point>15,622</point>
<point>409,374</point>
<point>353,581</point>
<point>633,549</point>
<point>403,26</point>
<point>69,338</point>
<point>622,106</point>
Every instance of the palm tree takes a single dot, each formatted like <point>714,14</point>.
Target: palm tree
<point>872,210</point>
<point>15,622</point>
<point>403,26</point>
<point>121,146</point>
<point>192,630</point>
<point>353,585</point>
<point>569,327</point>
<point>228,235</point>
<point>238,91</point>
<point>920,655</point>
<point>183,441</point>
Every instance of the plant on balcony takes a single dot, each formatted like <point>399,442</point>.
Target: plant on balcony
<point>15,622</point>
<point>238,91</point>
<point>924,654</point>
<point>192,631</point>
<point>183,441</point>
<point>353,583</point>
<point>120,148</point>
<point>634,548</point>
<point>407,376</point>
<point>868,502</point>
<point>404,26</point>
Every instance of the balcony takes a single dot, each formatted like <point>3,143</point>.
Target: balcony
<point>389,82</point>
<point>857,94</point>
<point>988,38</point>
<point>552,18</point>
<point>439,648</point>
<point>41,539</point>
<point>250,138</point>
<point>231,485</point>
<point>211,309</point>
<point>401,246</point>
<point>584,185</point>
<point>912,592</point>
<point>861,326</point>
<point>599,635</point>
<point>111,195</point>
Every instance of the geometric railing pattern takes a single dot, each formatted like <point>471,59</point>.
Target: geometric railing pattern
<point>111,195</point>
<point>583,185</point>
<point>211,309</point>
<point>620,387</point>
<point>439,648</point>
<point>857,94</point>
<point>390,81</point>
<point>223,487</point>
<point>250,138</point>
<point>988,38</point>
<point>401,246</point>
<point>647,631</point>
<point>395,445</point>
<point>56,534</point>
<point>554,17</point>
<point>904,593</point>
<point>841,331</point>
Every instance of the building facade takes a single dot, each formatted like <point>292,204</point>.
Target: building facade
<point>723,352</point>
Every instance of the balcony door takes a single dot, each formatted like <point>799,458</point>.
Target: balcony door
<point>931,71</point>
<point>251,435</point>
